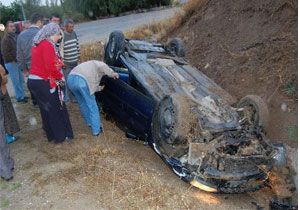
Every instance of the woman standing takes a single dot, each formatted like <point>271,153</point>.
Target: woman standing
<point>6,162</point>
<point>11,124</point>
<point>44,79</point>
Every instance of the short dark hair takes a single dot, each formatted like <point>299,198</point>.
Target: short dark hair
<point>35,17</point>
<point>8,22</point>
<point>68,21</point>
<point>55,15</point>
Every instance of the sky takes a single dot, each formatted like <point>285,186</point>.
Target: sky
<point>7,2</point>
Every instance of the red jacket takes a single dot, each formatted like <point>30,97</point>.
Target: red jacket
<point>45,63</point>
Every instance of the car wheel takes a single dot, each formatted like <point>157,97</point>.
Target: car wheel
<point>260,116</point>
<point>171,125</point>
<point>114,48</point>
<point>176,47</point>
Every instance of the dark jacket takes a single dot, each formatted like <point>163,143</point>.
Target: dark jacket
<point>1,58</point>
<point>24,45</point>
<point>9,47</point>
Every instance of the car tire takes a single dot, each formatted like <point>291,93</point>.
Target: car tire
<point>261,115</point>
<point>176,47</point>
<point>171,126</point>
<point>114,48</point>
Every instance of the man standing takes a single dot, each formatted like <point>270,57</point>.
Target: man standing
<point>9,53</point>
<point>84,81</point>
<point>2,28</point>
<point>24,45</point>
<point>55,18</point>
<point>71,53</point>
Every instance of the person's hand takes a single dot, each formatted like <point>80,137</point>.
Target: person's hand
<point>26,72</point>
<point>115,75</point>
<point>61,83</point>
<point>4,79</point>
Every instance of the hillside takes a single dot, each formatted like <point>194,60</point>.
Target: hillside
<point>248,47</point>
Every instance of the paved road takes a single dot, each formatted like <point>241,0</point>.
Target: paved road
<point>100,29</point>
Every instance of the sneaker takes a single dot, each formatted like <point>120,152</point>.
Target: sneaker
<point>101,131</point>
<point>69,139</point>
<point>22,101</point>
<point>7,179</point>
<point>10,138</point>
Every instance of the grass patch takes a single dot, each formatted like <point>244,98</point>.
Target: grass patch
<point>15,186</point>
<point>292,132</point>
<point>4,203</point>
<point>4,185</point>
<point>291,89</point>
<point>91,51</point>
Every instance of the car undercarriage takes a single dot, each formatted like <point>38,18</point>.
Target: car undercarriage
<point>207,138</point>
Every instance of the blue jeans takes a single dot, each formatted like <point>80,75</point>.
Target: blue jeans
<point>87,103</point>
<point>17,78</point>
<point>67,92</point>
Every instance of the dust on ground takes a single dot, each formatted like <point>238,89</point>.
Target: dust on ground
<point>105,172</point>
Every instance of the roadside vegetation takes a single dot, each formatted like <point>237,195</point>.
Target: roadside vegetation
<point>157,30</point>
<point>79,10</point>
<point>161,30</point>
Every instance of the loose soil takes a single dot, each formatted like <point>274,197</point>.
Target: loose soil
<point>105,172</point>
<point>249,47</point>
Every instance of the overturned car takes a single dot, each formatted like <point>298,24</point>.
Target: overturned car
<point>195,126</point>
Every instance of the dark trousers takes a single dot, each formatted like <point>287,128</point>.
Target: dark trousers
<point>55,117</point>
<point>33,100</point>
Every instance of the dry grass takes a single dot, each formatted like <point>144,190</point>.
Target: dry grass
<point>91,51</point>
<point>157,31</point>
<point>161,30</point>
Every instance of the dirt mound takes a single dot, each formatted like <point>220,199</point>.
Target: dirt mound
<point>249,47</point>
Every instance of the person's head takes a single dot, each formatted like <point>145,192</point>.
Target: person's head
<point>37,20</point>
<point>2,27</point>
<point>49,32</point>
<point>55,18</point>
<point>69,25</point>
<point>26,24</point>
<point>10,27</point>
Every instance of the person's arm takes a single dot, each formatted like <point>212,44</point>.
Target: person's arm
<point>50,61</point>
<point>78,46</point>
<point>20,56</point>
<point>3,76</point>
<point>13,49</point>
<point>104,68</point>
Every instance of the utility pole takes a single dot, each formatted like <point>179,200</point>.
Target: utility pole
<point>22,8</point>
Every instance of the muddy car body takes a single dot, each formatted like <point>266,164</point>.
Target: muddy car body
<point>195,126</point>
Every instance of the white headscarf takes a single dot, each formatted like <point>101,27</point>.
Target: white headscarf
<point>46,32</point>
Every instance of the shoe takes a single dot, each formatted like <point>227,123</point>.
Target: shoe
<point>101,131</point>
<point>22,101</point>
<point>69,139</point>
<point>10,138</point>
<point>7,179</point>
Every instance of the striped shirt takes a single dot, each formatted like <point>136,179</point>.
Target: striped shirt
<point>71,47</point>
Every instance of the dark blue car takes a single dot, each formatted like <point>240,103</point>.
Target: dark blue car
<point>197,128</point>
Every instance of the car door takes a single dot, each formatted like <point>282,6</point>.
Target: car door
<point>127,105</point>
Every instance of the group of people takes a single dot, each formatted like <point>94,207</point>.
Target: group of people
<point>48,55</point>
